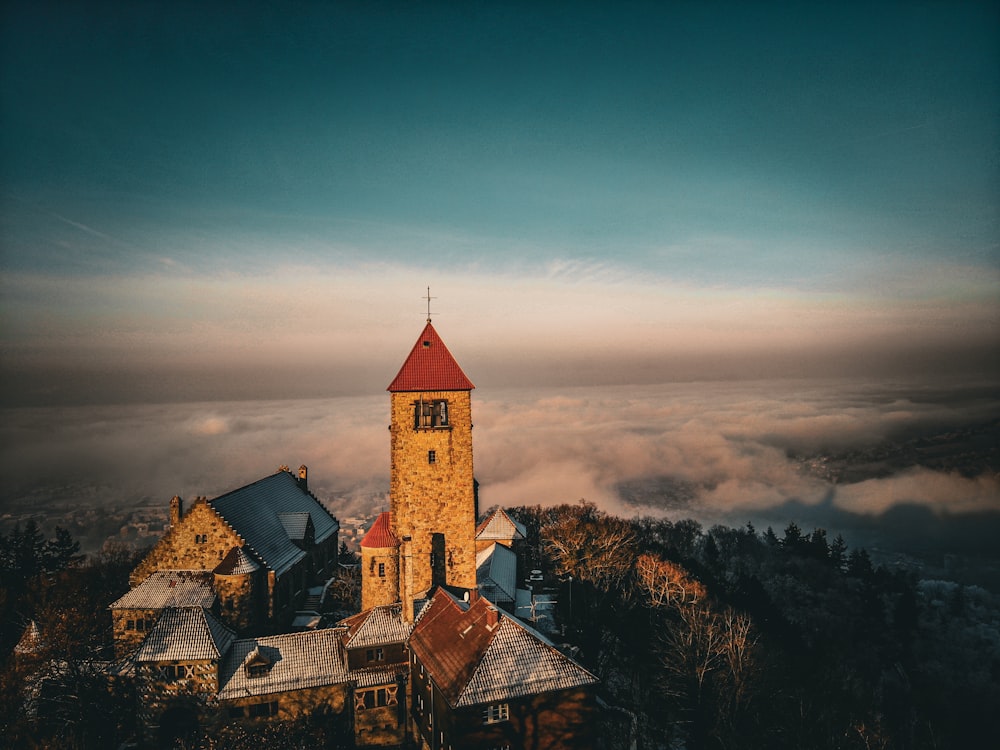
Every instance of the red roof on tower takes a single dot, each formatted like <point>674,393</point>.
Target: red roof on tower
<point>430,367</point>
<point>380,535</point>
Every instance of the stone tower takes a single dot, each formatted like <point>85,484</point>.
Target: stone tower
<point>432,489</point>
<point>380,582</point>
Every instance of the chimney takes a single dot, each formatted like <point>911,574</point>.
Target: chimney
<point>471,595</point>
<point>304,478</point>
<point>492,617</point>
<point>176,510</point>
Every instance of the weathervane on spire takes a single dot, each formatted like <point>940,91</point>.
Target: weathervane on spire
<point>429,298</point>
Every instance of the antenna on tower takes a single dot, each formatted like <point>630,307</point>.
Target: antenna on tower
<point>429,298</point>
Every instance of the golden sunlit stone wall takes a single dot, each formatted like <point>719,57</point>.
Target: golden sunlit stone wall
<point>240,599</point>
<point>130,627</point>
<point>198,541</point>
<point>376,589</point>
<point>434,497</point>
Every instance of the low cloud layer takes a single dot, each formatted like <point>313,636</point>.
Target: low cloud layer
<point>726,452</point>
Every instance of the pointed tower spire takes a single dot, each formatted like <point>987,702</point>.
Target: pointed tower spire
<point>430,367</point>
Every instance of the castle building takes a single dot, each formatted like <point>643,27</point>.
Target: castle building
<point>263,545</point>
<point>430,659</point>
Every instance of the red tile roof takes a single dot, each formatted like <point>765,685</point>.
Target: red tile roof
<point>476,654</point>
<point>430,367</point>
<point>450,642</point>
<point>380,535</point>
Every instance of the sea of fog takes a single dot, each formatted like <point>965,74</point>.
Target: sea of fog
<point>893,463</point>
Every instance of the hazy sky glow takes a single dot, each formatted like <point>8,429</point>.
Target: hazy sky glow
<point>721,260</point>
<point>239,201</point>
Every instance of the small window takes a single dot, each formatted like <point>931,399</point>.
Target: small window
<point>236,712</point>
<point>260,710</point>
<point>376,698</point>
<point>130,624</point>
<point>375,654</point>
<point>432,457</point>
<point>495,713</point>
<point>172,672</point>
<point>381,570</point>
<point>140,625</point>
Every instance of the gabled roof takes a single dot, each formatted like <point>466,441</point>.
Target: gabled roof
<point>496,573</point>
<point>297,661</point>
<point>476,654</point>
<point>170,588</point>
<point>185,633</point>
<point>254,512</point>
<point>430,367</point>
<point>378,625</point>
<point>380,535</point>
<point>498,525</point>
<point>521,662</point>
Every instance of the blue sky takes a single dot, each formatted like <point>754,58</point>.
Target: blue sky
<point>595,192</point>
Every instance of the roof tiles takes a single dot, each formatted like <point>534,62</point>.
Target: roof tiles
<point>297,661</point>
<point>475,655</point>
<point>499,526</point>
<point>383,624</point>
<point>255,511</point>
<point>380,535</point>
<point>185,634</point>
<point>496,573</point>
<point>170,588</point>
<point>430,367</point>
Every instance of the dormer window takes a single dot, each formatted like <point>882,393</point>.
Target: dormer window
<point>257,664</point>
<point>430,414</point>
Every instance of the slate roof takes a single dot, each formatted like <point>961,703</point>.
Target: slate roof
<point>498,525</point>
<point>380,535</point>
<point>298,661</point>
<point>496,573</point>
<point>475,655</point>
<point>254,513</point>
<point>296,524</point>
<point>170,588</point>
<point>237,562</point>
<point>430,367</point>
<point>185,634</point>
<point>378,625</point>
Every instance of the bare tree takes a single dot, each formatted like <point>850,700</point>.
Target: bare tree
<point>590,545</point>
<point>664,583</point>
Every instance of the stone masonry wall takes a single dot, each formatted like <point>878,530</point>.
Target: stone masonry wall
<point>377,590</point>
<point>438,497</point>
<point>238,602</point>
<point>198,542</point>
